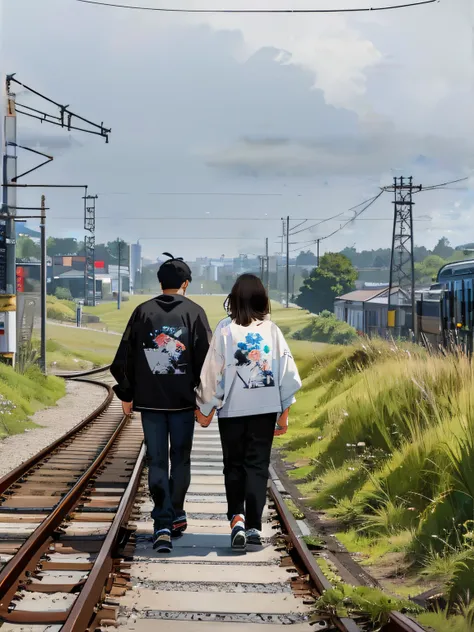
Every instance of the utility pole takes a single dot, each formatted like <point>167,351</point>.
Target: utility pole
<point>65,119</point>
<point>89,245</point>
<point>287,261</point>
<point>119,291</point>
<point>43,285</point>
<point>317,255</point>
<point>8,343</point>
<point>402,266</point>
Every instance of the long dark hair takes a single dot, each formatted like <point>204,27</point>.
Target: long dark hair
<point>248,300</point>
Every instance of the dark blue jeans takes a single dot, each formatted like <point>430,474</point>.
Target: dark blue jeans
<point>168,440</point>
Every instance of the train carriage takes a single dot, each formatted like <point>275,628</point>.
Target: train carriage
<point>445,312</point>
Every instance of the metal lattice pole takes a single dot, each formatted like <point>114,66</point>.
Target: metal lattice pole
<point>402,267</point>
<point>89,245</point>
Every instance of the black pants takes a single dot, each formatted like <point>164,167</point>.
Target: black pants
<point>246,445</point>
<point>168,486</point>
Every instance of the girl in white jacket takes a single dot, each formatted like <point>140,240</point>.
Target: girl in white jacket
<point>250,377</point>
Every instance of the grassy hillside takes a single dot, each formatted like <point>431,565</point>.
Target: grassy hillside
<point>290,319</point>
<point>71,348</point>
<point>382,438</point>
<point>22,395</point>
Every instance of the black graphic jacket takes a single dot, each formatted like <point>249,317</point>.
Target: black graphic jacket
<point>159,360</point>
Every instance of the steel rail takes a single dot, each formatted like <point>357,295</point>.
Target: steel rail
<point>401,623</point>
<point>76,375</point>
<point>16,567</point>
<point>12,477</point>
<point>322,584</point>
<point>82,611</point>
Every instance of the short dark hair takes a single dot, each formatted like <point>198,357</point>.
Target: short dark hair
<point>173,273</point>
<point>248,300</point>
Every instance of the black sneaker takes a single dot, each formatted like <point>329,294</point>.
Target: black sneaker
<point>238,538</point>
<point>254,537</point>
<point>179,526</point>
<point>162,541</point>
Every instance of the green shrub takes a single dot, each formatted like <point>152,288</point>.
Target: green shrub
<point>327,328</point>
<point>63,294</point>
<point>60,312</point>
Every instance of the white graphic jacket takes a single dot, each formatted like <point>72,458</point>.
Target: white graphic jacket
<point>247,371</point>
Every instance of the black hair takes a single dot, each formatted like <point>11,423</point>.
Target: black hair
<point>173,273</point>
<point>248,300</point>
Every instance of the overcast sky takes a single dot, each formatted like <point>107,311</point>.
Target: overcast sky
<point>248,117</point>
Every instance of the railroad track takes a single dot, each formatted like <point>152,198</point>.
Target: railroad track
<point>62,517</point>
<point>70,554</point>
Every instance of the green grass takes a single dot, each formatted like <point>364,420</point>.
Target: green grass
<point>116,320</point>
<point>65,345</point>
<point>22,395</point>
<point>384,439</point>
<point>441,622</point>
<point>297,514</point>
<point>369,603</point>
<point>290,320</point>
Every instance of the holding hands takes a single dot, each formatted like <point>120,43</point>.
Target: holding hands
<point>202,420</point>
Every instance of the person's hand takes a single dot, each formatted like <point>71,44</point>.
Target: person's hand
<point>127,408</point>
<point>282,424</point>
<point>202,420</point>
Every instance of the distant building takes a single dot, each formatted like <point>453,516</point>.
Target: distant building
<point>69,272</point>
<point>367,310</point>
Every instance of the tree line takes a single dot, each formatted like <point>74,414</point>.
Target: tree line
<point>27,248</point>
<point>337,272</point>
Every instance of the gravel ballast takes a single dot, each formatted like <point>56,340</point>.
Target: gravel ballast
<point>80,401</point>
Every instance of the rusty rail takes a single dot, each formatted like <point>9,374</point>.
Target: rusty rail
<point>321,583</point>
<point>30,554</point>
<point>12,477</point>
<point>14,569</point>
<point>83,608</point>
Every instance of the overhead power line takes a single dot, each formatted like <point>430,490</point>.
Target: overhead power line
<point>231,219</point>
<point>203,193</point>
<point>327,219</point>
<point>355,217</point>
<point>117,5</point>
<point>443,185</point>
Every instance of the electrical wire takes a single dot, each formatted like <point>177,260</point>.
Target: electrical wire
<point>292,232</point>
<point>256,11</point>
<point>327,219</point>
<point>442,185</point>
<point>355,217</point>
<point>210,218</point>
<point>203,193</point>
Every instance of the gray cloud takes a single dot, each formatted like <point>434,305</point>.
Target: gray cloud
<point>44,142</point>
<point>195,107</point>
<point>362,155</point>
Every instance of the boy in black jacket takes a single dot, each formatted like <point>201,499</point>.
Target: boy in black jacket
<point>157,368</point>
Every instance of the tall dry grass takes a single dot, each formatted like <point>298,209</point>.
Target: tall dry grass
<point>388,432</point>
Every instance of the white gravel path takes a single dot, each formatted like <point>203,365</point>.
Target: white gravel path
<point>80,401</point>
